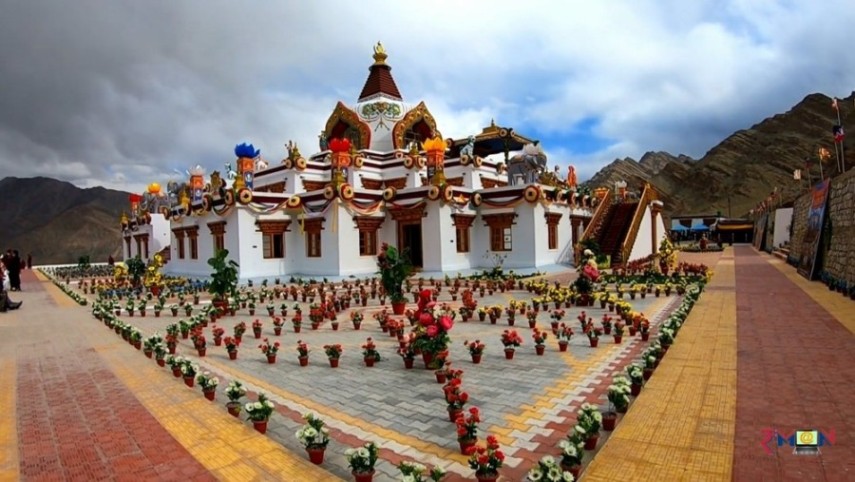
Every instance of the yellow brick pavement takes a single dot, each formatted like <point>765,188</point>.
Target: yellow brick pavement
<point>835,303</point>
<point>8,421</point>
<point>230,449</point>
<point>682,425</point>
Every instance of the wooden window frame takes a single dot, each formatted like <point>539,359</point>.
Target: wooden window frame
<point>368,227</point>
<point>312,228</point>
<point>462,223</point>
<point>552,220</point>
<point>218,235</point>
<point>179,237</point>
<point>500,224</point>
<point>193,236</point>
<point>270,229</point>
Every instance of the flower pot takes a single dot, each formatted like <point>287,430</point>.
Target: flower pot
<point>218,341</point>
<point>369,361</point>
<point>645,335</point>
<point>594,342</point>
<point>511,321</point>
<point>190,381</point>
<point>440,377</point>
<point>176,372</point>
<point>233,408</point>
<point>482,316</point>
<point>575,470</point>
<point>271,359</point>
<point>454,413</point>
<point>408,363</point>
<point>251,312</point>
<point>618,339</point>
<point>137,345</point>
<point>335,326</point>
<point>476,359</point>
<point>201,351</point>
<point>591,442</point>
<point>161,362</point>
<point>210,394</point>
<point>260,426</point>
<point>490,477</point>
<point>399,308</point>
<point>316,455</point>
<point>277,330</point>
<point>632,330</point>
<point>562,346</point>
<point>363,476</point>
<point>427,358</point>
<point>148,353</point>
<point>356,325</point>
<point>607,330</point>
<point>304,361</point>
<point>256,332</point>
<point>532,323</point>
<point>334,362</point>
<point>647,373</point>
<point>465,443</point>
<point>609,421</point>
<point>635,389</point>
<point>509,353</point>
<point>539,349</point>
<point>297,328</point>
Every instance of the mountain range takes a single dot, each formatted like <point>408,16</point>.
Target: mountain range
<point>58,222</point>
<point>744,168</point>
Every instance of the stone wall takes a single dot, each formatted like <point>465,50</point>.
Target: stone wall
<point>838,255</point>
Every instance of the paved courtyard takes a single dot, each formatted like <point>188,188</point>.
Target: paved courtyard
<point>111,413</point>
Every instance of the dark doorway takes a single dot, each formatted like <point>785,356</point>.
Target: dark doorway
<point>410,239</point>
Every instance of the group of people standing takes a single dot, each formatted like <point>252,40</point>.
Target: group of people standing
<point>11,265</point>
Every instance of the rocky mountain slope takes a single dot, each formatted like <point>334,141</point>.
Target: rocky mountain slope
<point>58,222</point>
<point>745,167</point>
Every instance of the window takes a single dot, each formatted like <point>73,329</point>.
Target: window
<point>145,246</point>
<point>552,220</point>
<point>500,230</point>
<point>273,245</point>
<point>273,238</point>
<point>462,223</point>
<point>367,243</point>
<point>313,228</point>
<point>368,226</point>
<point>128,244</point>
<point>194,247</point>
<point>139,246</point>
<point>218,235</point>
<point>179,238</point>
<point>500,239</point>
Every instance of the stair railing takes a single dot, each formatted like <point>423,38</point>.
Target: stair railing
<point>596,220</point>
<point>647,195</point>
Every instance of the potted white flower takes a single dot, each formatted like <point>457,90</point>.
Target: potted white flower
<point>314,436</point>
<point>361,461</point>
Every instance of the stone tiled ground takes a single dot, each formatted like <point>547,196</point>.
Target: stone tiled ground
<point>528,402</point>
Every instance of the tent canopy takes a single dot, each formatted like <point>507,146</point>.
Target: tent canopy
<point>700,227</point>
<point>679,228</point>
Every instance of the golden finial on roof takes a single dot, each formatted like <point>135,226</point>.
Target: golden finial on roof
<point>379,54</point>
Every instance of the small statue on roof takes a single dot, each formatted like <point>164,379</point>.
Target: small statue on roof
<point>414,149</point>
<point>469,149</point>
<point>293,151</point>
<point>323,142</point>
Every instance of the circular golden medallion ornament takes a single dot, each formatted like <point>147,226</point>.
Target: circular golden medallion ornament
<point>433,193</point>
<point>389,193</point>
<point>531,194</point>
<point>244,196</point>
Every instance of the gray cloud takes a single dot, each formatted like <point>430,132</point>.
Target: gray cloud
<point>120,93</point>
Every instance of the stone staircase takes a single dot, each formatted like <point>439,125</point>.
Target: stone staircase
<point>616,225</point>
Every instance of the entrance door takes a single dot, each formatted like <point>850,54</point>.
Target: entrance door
<point>410,238</point>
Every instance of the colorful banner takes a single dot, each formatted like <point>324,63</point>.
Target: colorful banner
<point>760,231</point>
<point>809,262</point>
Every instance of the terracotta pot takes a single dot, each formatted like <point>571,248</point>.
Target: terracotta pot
<point>137,345</point>
<point>645,336</point>
<point>408,363</point>
<point>454,413</point>
<point>356,325</point>
<point>511,322</point>
<point>476,359</point>
<point>277,330</point>
<point>591,442</point>
<point>399,308</point>
<point>575,470</point>
<point>466,443</point>
<point>190,381</point>
<point>440,377</point>
<point>482,316</point>
<point>532,323</point>
<point>618,339</point>
<point>210,394</point>
<point>176,372</point>
<point>491,477</point>
<point>316,455</point>
<point>609,421</point>
<point>635,389</point>
<point>161,362</point>
<point>539,349</point>
<point>260,426</point>
<point>201,351</point>
<point>594,342</point>
<point>271,359</point>
<point>363,476</point>
<point>427,358</point>
<point>304,361</point>
<point>148,353</point>
<point>632,330</point>
<point>297,328</point>
<point>647,373</point>
<point>238,339</point>
<point>335,326</point>
<point>233,408</point>
<point>369,361</point>
<point>509,353</point>
<point>562,346</point>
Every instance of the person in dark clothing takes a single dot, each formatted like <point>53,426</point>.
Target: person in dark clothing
<point>5,302</point>
<point>14,267</point>
<point>29,261</point>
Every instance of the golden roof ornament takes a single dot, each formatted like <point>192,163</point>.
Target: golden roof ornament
<point>379,54</point>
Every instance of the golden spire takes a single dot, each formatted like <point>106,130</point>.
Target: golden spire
<point>379,54</point>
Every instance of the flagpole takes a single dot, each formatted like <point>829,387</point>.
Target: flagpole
<point>821,175</point>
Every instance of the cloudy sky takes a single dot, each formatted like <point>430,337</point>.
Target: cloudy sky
<point>121,93</point>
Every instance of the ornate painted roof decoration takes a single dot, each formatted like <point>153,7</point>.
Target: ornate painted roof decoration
<point>412,119</point>
<point>380,81</point>
<point>339,145</point>
<point>247,150</point>
<point>197,171</point>
<point>154,188</point>
<point>343,119</point>
<point>493,139</point>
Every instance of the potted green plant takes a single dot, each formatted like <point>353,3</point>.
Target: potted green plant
<point>395,268</point>
<point>224,279</point>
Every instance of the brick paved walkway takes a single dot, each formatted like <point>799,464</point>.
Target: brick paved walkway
<point>795,372</point>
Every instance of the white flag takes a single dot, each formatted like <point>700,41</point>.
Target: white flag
<point>797,174</point>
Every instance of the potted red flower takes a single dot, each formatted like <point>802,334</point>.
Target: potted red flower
<point>277,325</point>
<point>269,350</point>
<point>539,338</point>
<point>408,353</point>
<point>333,353</point>
<point>231,347</point>
<point>486,460</point>
<point>370,353</point>
<point>239,330</point>
<point>303,353</point>
<point>593,334</point>
<point>454,398</point>
<point>563,333</point>
<point>467,429</point>
<point>511,340</point>
<point>476,350</point>
<point>218,332</point>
